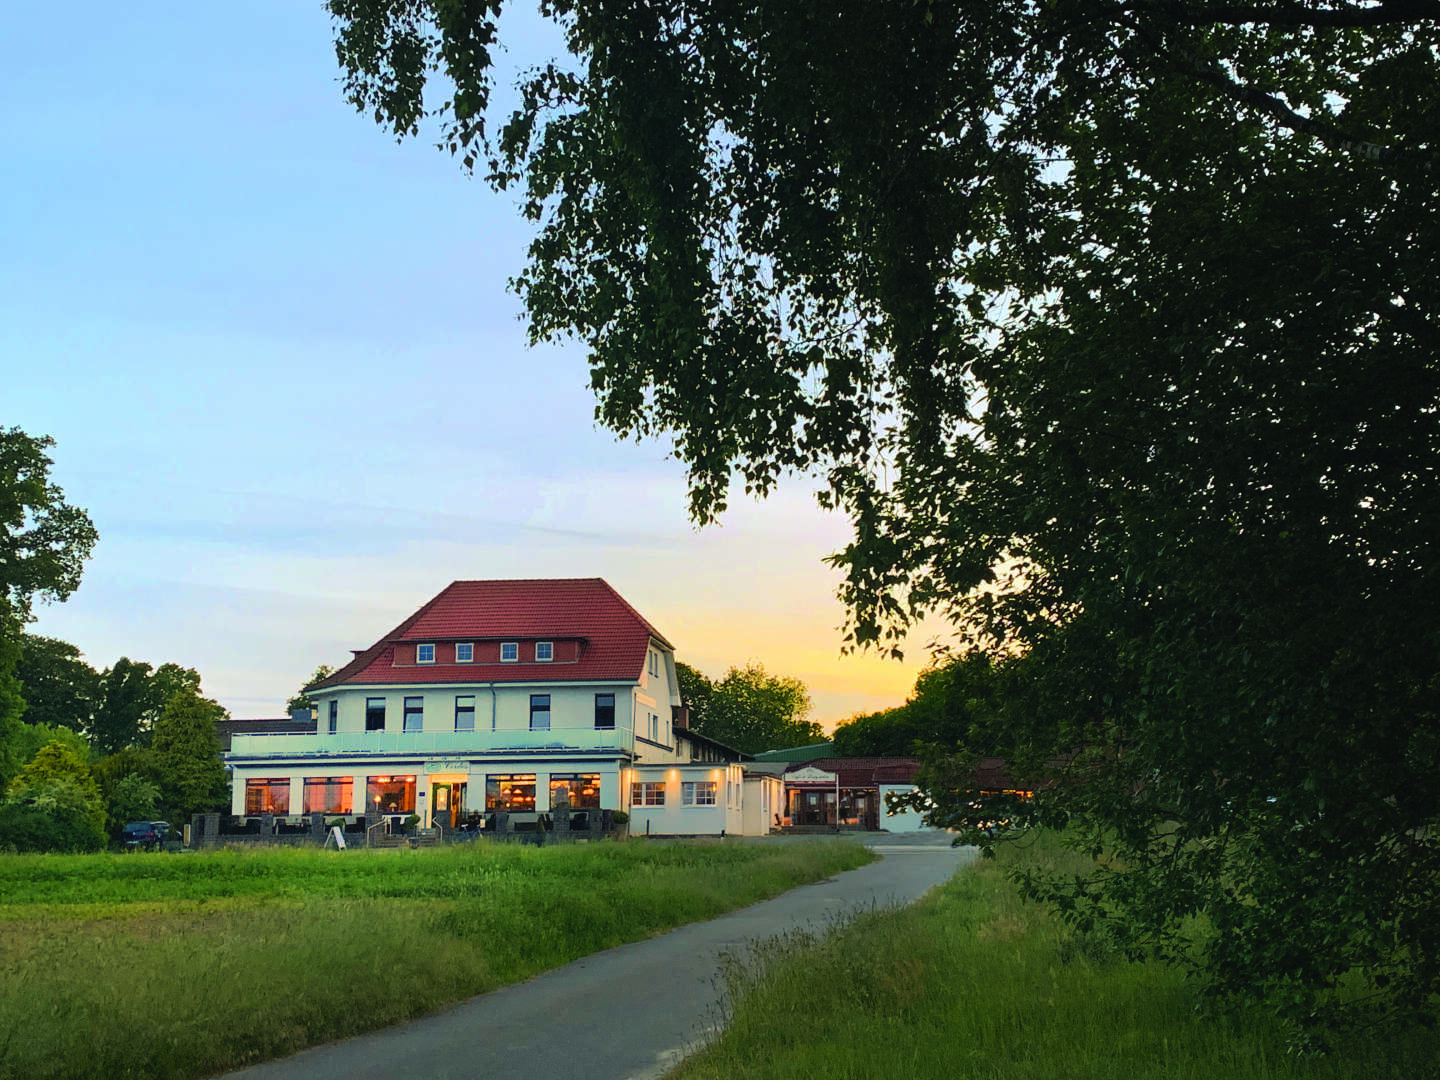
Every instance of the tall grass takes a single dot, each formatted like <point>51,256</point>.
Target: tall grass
<point>970,983</point>
<point>172,967</point>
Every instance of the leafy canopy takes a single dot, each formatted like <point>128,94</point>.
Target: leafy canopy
<point>44,542</point>
<point>1112,326</point>
<point>748,708</point>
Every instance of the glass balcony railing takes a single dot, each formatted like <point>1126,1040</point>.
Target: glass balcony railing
<point>410,743</point>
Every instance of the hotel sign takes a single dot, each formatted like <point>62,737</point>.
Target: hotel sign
<point>448,765</point>
<point>811,775</point>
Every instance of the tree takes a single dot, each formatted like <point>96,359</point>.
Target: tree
<point>750,709</point>
<point>44,543</point>
<point>1112,326</point>
<point>187,752</point>
<point>58,763</point>
<point>941,712</point>
<point>60,688</point>
<point>132,696</point>
<point>302,699</point>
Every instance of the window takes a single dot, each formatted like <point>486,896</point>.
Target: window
<point>697,793</point>
<point>328,794</point>
<point>414,714</point>
<point>544,651</point>
<point>390,794</point>
<point>510,791</point>
<point>583,789</point>
<point>539,712</point>
<point>267,795</point>
<point>604,710</point>
<point>334,716</point>
<point>647,794</point>
<point>509,651</point>
<point>464,653</point>
<point>465,712</point>
<point>654,659</point>
<point>374,714</point>
<point>654,728</point>
<point>424,654</point>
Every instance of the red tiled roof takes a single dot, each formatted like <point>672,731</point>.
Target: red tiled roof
<point>614,636</point>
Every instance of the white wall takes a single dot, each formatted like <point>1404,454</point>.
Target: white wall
<point>907,821</point>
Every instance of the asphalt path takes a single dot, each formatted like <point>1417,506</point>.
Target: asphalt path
<point>630,1013</point>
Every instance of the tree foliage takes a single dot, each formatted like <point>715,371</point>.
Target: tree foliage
<point>60,688</point>
<point>940,712</point>
<point>132,697</point>
<point>59,764</point>
<point>44,542</point>
<point>749,709</point>
<point>302,700</point>
<point>1112,325</point>
<point>187,753</point>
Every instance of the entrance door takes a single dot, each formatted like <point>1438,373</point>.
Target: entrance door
<point>447,804</point>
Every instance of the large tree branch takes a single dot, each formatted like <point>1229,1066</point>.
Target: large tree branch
<point>1208,71</point>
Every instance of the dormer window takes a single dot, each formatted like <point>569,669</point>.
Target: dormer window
<point>509,651</point>
<point>544,651</point>
<point>424,654</point>
<point>464,653</point>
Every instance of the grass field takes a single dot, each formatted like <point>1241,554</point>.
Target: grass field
<point>170,966</point>
<point>970,984</point>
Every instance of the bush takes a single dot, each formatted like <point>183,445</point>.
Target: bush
<point>26,826</point>
<point>620,817</point>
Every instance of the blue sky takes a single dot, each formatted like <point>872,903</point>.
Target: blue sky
<point>285,377</point>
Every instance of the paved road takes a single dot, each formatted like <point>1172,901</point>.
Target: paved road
<point>624,1014</point>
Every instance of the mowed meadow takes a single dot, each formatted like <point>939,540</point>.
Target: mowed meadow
<point>171,966</point>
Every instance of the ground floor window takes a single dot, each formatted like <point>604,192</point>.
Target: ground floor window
<point>267,795</point>
<point>390,794</point>
<point>697,792</point>
<point>510,791</point>
<point>329,794</point>
<point>582,788</point>
<point>645,793</point>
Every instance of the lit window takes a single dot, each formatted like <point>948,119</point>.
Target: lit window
<point>539,712</point>
<point>334,716</point>
<point>390,794</point>
<point>424,654</point>
<point>414,714</point>
<point>583,789</point>
<point>509,651</point>
<point>464,653</point>
<point>647,794</point>
<point>697,793</point>
<point>604,710</point>
<point>544,651</point>
<point>510,791</point>
<point>465,712</point>
<point>267,795</point>
<point>328,794</point>
<point>374,714</point>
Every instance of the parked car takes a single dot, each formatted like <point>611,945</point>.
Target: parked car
<point>146,835</point>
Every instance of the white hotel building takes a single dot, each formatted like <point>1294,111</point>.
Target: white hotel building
<point>502,695</point>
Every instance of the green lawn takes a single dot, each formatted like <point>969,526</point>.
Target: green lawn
<point>970,984</point>
<point>172,966</point>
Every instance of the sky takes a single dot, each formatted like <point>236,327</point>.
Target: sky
<point>286,379</point>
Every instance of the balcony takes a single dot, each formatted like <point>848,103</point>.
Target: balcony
<point>411,744</point>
